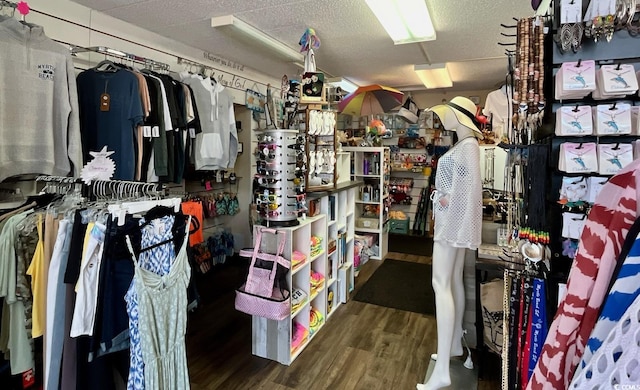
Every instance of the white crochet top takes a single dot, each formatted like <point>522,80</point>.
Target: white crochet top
<point>459,222</point>
<point>615,365</point>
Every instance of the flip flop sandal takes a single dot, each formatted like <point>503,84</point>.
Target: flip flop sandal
<point>234,205</point>
<point>221,205</point>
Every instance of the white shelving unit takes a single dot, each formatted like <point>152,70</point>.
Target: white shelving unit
<point>339,206</point>
<point>371,165</point>
<point>273,339</point>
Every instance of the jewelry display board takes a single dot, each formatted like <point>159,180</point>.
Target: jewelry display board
<point>595,132</point>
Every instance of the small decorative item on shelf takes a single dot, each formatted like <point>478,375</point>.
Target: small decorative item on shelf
<point>330,297</point>
<point>316,245</point>
<point>398,222</point>
<point>316,319</point>
<point>297,258</point>
<point>317,282</point>
<point>299,336</point>
<point>332,245</point>
<point>298,299</point>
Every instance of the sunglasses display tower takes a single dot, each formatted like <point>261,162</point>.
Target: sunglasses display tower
<point>279,181</point>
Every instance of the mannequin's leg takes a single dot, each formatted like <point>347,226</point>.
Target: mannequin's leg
<point>445,259</point>
<point>457,285</point>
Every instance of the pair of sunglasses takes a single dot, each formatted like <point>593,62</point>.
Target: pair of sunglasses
<point>266,180</point>
<point>268,172</point>
<point>268,206</point>
<point>267,197</point>
<point>267,138</point>
<point>267,157</point>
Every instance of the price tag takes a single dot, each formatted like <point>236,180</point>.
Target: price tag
<point>146,131</point>
<point>28,379</point>
<point>192,132</point>
<point>155,132</point>
<point>570,11</point>
<point>105,102</point>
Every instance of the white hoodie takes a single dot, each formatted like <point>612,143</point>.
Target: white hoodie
<point>216,148</point>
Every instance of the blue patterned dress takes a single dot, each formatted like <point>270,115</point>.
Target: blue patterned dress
<point>159,261</point>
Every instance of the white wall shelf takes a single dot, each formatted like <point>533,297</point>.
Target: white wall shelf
<point>372,165</point>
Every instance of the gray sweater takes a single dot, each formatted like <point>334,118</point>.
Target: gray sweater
<point>39,126</point>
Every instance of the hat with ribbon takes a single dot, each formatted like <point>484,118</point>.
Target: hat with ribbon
<point>464,110</point>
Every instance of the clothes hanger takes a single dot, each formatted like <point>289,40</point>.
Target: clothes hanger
<point>106,66</point>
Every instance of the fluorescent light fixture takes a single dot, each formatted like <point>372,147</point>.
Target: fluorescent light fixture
<point>345,84</point>
<point>247,31</point>
<point>434,76</point>
<point>406,21</point>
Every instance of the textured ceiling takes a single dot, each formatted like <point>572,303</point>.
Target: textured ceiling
<point>354,44</point>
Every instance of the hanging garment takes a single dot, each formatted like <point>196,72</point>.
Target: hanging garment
<point>115,124</point>
<point>87,287</point>
<point>38,271</point>
<point>600,244</point>
<point>623,292</point>
<point>162,311</point>
<point>39,125</point>
<point>615,364</point>
<point>56,293</point>
<point>14,339</point>
<point>457,199</point>
<point>195,210</point>
<point>217,146</point>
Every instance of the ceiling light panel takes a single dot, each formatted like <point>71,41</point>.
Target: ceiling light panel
<point>406,21</point>
<point>250,34</point>
<point>434,76</point>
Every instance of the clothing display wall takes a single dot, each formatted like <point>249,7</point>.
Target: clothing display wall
<point>104,286</point>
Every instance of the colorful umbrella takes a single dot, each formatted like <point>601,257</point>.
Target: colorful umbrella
<point>370,100</point>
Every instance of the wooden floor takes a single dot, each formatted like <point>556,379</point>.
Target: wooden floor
<point>362,346</point>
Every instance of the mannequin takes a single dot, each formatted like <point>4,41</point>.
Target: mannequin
<point>457,207</point>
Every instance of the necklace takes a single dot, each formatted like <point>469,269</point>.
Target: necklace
<point>612,124</point>
<point>578,158</point>
<point>578,75</point>
<point>619,79</point>
<point>614,159</point>
<point>576,123</point>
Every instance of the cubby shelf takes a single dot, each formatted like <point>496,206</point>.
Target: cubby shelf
<point>272,339</point>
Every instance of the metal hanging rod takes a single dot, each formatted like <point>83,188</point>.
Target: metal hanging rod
<point>201,66</point>
<point>120,54</point>
<point>10,4</point>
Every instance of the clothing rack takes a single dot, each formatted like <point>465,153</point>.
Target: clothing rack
<point>107,51</point>
<point>103,189</point>
<point>202,67</point>
<point>106,189</point>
